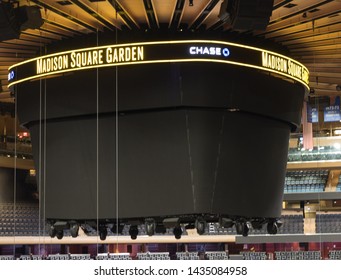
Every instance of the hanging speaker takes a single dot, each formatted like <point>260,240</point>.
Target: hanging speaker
<point>223,14</point>
<point>9,26</point>
<point>29,17</point>
<point>247,14</point>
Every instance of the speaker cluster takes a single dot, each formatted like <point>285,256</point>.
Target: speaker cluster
<point>245,15</point>
<point>15,19</point>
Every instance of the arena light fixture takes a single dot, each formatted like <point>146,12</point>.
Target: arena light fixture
<point>103,232</point>
<point>177,231</point>
<point>200,225</point>
<point>60,234</point>
<point>74,229</point>
<point>52,231</point>
<point>242,227</point>
<point>57,229</point>
<point>150,226</point>
<point>272,227</point>
<point>133,231</point>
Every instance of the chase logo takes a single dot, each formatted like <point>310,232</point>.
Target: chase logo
<point>11,75</point>
<point>213,51</point>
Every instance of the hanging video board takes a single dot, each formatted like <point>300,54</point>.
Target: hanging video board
<point>158,52</point>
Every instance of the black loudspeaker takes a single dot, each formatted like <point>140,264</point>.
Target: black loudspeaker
<point>248,14</point>
<point>223,14</point>
<point>29,17</point>
<point>9,26</point>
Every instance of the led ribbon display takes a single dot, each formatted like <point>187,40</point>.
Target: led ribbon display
<point>158,52</point>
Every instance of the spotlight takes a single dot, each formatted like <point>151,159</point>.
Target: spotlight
<point>304,15</point>
<point>242,228</point>
<point>273,225</point>
<point>150,226</point>
<point>60,234</point>
<point>246,229</point>
<point>74,228</point>
<point>272,228</point>
<point>200,225</point>
<point>338,87</point>
<point>103,232</point>
<point>57,229</point>
<point>52,232</point>
<point>279,223</point>
<point>133,231</point>
<point>190,2</point>
<point>175,224</point>
<point>177,232</point>
<point>312,91</point>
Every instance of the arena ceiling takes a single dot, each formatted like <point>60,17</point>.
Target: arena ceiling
<point>310,29</point>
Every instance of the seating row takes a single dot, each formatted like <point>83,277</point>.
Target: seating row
<point>328,223</point>
<point>69,257</point>
<point>210,255</point>
<point>304,188</point>
<point>250,255</point>
<point>297,255</point>
<point>153,256</point>
<point>306,156</point>
<point>113,256</point>
<point>334,255</point>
